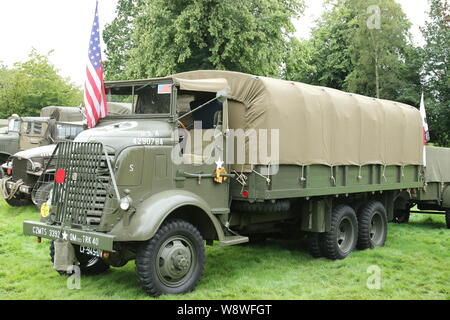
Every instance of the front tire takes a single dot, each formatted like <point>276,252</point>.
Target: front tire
<point>341,240</point>
<point>372,225</point>
<point>172,261</point>
<point>88,265</point>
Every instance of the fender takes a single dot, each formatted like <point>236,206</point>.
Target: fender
<point>446,197</point>
<point>151,213</point>
<point>4,157</point>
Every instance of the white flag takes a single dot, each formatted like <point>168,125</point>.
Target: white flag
<point>426,133</point>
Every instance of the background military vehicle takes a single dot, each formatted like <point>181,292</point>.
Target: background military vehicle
<point>9,138</point>
<point>128,189</point>
<point>434,197</point>
<point>4,125</point>
<point>22,170</point>
<point>38,128</point>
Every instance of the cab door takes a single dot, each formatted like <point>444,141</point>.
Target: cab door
<point>204,170</point>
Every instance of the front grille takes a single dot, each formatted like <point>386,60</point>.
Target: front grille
<point>80,199</point>
<point>19,169</point>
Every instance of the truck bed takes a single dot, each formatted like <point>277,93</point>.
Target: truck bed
<point>318,180</point>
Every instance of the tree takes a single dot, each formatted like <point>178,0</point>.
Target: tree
<point>297,61</point>
<point>378,48</point>
<point>436,71</point>
<point>32,85</point>
<point>352,48</point>
<point>329,46</point>
<point>170,36</point>
<point>117,36</point>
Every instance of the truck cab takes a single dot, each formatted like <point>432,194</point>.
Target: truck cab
<point>147,168</point>
<point>9,138</point>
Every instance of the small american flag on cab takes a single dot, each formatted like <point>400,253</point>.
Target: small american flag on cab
<point>94,86</point>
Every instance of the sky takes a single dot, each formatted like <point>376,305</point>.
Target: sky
<point>64,27</point>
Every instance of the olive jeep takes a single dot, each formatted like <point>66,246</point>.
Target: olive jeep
<point>155,185</point>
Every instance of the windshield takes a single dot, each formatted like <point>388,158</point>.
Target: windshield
<point>153,98</point>
<point>14,125</point>
<point>67,131</point>
<point>33,128</point>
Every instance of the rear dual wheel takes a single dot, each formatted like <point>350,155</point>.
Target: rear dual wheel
<point>367,229</point>
<point>341,240</point>
<point>372,223</point>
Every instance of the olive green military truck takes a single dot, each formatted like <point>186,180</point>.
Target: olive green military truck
<point>37,129</point>
<point>9,138</point>
<point>224,157</point>
<point>434,197</point>
<point>38,139</point>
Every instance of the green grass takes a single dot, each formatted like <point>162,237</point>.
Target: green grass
<point>415,264</point>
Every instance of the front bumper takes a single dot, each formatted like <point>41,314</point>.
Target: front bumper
<point>90,239</point>
<point>22,189</point>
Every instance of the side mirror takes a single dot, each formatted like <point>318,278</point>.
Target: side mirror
<point>222,96</point>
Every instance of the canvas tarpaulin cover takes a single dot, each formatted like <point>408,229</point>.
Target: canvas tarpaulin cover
<point>438,164</point>
<point>63,114</point>
<point>319,125</point>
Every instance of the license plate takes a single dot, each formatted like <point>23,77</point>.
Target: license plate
<point>91,251</point>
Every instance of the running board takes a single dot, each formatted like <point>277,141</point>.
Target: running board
<point>232,240</point>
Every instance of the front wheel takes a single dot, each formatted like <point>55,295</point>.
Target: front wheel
<point>89,265</point>
<point>172,261</point>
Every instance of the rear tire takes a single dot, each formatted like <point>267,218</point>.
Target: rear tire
<point>341,240</point>
<point>172,261</point>
<point>314,245</point>
<point>89,265</point>
<point>372,225</point>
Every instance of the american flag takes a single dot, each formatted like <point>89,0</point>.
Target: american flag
<point>94,87</point>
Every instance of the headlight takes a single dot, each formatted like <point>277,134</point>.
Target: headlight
<point>125,203</point>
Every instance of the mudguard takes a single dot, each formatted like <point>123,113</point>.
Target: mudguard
<point>151,213</point>
<point>446,197</point>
